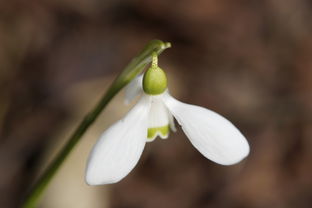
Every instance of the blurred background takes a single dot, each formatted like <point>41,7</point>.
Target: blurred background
<point>248,60</point>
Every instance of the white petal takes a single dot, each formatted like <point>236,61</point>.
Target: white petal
<point>133,89</point>
<point>211,134</point>
<point>171,122</point>
<point>119,148</point>
<point>158,118</point>
<point>158,115</point>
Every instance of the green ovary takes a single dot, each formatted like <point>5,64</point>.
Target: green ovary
<point>154,81</point>
<point>162,131</point>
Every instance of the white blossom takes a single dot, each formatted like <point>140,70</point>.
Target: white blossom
<point>119,148</point>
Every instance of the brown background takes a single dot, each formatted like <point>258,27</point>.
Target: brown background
<point>251,61</point>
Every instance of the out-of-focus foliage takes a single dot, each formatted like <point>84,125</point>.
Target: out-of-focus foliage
<point>249,60</point>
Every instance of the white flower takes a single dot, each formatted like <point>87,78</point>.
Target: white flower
<point>119,148</point>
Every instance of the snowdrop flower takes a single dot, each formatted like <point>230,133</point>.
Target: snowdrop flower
<point>119,148</point>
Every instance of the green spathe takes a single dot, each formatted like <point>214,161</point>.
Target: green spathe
<point>155,79</point>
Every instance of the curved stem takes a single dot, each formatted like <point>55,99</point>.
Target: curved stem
<point>134,68</point>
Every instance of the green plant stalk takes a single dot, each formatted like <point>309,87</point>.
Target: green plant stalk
<point>134,68</point>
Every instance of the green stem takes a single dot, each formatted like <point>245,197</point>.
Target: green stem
<point>134,68</point>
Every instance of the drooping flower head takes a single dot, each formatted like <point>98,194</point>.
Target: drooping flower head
<point>119,148</point>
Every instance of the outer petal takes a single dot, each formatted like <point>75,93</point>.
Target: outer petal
<point>119,148</point>
<point>213,135</point>
<point>133,89</point>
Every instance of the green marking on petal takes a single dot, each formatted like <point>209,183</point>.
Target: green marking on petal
<point>162,131</point>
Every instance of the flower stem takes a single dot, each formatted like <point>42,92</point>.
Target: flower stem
<point>154,60</point>
<point>134,68</point>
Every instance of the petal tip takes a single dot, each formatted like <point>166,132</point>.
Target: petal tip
<point>243,153</point>
<point>94,180</point>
